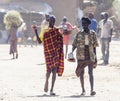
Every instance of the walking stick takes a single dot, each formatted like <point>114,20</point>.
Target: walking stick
<point>36,33</point>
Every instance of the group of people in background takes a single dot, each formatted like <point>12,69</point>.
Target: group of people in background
<point>105,30</point>
<point>85,42</point>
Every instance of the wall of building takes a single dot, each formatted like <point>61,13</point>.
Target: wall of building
<point>63,8</point>
<point>60,7</point>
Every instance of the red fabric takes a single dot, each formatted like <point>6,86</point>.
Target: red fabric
<point>53,50</point>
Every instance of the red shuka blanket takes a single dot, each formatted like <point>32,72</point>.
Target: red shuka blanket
<point>53,50</point>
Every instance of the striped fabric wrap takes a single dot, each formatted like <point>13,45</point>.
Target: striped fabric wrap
<point>53,50</point>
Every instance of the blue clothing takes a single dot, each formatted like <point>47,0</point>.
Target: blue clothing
<point>93,25</point>
<point>18,34</point>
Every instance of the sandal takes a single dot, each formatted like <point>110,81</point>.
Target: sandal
<point>51,93</point>
<point>92,93</point>
<point>82,94</point>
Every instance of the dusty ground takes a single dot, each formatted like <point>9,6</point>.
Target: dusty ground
<point>23,79</point>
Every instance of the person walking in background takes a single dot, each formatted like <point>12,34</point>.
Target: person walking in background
<point>66,29</point>
<point>93,25</point>
<point>53,51</point>
<point>31,37</point>
<point>85,42</point>
<point>13,20</point>
<point>45,22</point>
<point>44,26</point>
<point>99,24</point>
<point>106,29</point>
<point>12,38</point>
<point>21,34</point>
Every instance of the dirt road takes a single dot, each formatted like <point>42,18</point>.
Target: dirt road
<point>23,79</point>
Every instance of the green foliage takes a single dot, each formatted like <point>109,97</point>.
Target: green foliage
<point>12,18</point>
<point>116,5</point>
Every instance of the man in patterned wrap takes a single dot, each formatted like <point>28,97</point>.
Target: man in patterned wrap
<point>53,51</point>
<point>85,42</point>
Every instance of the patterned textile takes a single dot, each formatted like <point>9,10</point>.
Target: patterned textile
<point>79,43</point>
<point>83,63</point>
<point>53,50</point>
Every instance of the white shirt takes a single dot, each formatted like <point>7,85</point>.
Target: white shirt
<point>106,28</point>
<point>86,40</point>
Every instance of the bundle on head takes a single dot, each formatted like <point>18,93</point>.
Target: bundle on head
<point>12,18</point>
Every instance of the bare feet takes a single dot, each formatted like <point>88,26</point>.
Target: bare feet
<point>46,87</point>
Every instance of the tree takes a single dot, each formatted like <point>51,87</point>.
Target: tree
<point>105,4</point>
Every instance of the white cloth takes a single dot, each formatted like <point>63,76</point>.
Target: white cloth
<point>106,28</point>
<point>86,40</point>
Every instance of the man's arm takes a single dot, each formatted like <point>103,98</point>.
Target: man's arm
<point>111,31</point>
<point>36,33</point>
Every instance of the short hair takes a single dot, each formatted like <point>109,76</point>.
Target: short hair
<point>86,20</point>
<point>106,14</point>
<point>64,18</point>
<point>52,18</point>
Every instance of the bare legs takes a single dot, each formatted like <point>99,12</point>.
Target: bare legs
<point>46,82</point>
<point>66,51</point>
<point>13,49</point>
<point>54,71</point>
<point>82,82</point>
<point>91,79</point>
<point>53,80</point>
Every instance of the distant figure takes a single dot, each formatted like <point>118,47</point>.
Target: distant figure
<point>13,20</point>
<point>93,25</point>
<point>21,34</point>
<point>12,38</point>
<point>32,38</point>
<point>99,24</point>
<point>106,29</point>
<point>45,22</point>
<point>85,42</point>
<point>66,29</point>
<point>53,51</point>
<point>44,26</point>
<point>78,23</point>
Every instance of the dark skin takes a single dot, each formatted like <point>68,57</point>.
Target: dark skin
<point>85,26</point>
<point>105,20</point>
<point>54,70</point>
<point>86,29</point>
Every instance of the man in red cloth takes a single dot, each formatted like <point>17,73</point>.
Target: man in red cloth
<point>53,51</point>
